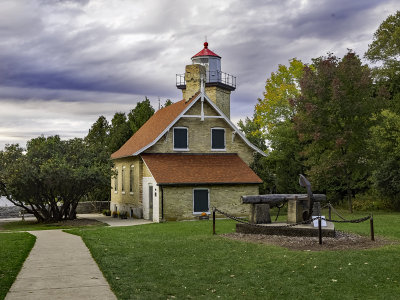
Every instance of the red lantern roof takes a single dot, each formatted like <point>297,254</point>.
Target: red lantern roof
<point>206,52</point>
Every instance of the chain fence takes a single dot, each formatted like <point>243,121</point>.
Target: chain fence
<point>310,220</point>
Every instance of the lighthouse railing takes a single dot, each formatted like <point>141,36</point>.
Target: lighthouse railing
<point>211,77</point>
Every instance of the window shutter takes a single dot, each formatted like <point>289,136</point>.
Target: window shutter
<point>218,139</point>
<point>180,138</point>
<point>200,201</point>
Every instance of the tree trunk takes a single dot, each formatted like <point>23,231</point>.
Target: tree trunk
<point>350,200</point>
<point>72,211</point>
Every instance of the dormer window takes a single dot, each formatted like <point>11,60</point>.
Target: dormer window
<point>218,139</point>
<point>181,139</point>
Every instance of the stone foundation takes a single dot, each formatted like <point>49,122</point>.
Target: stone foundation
<point>282,229</point>
<point>133,212</point>
<point>88,207</point>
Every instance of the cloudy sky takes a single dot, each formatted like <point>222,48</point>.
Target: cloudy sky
<point>64,63</point>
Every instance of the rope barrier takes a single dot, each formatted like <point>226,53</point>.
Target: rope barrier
<point>319,218</point>
<point>360,220</point>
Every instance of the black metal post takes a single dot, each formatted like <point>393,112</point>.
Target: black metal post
<point>330,212</point>
<point>213,221</point>
<point>320,230</point>
<point>371,222</point>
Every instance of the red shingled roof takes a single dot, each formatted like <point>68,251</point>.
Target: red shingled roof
<point>152,128</point>
<point>206,52</point>
<point>199,168</point>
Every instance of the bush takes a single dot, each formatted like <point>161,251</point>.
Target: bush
<point>106,212</point>
<point>371,201</point>
<point>123,215</point>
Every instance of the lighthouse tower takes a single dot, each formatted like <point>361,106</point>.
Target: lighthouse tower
<point>206,65</point>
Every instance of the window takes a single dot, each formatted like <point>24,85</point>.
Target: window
<point>131,180</point>
<point>217,139</point>
<point>180,138</point>
<point>123,180</point>
<point>116,181</point>
<point>201,201</point>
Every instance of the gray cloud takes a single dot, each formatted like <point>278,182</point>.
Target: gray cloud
<point>76,60</point>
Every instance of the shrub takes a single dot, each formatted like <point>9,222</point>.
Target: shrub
<point>106,212</point>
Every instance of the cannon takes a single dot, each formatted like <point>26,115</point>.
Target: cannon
<point>300,206</point>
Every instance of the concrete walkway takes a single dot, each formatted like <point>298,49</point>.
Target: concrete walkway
<point>59,267</point>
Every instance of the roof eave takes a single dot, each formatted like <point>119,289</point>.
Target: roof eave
<point>205,183</point>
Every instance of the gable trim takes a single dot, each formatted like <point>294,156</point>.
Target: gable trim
<point>205,117</point>
<point>168,127</point>
<point>182,114</point>
<point>233,126</point>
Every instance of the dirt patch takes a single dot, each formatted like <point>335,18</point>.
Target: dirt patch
<point>342,241</point>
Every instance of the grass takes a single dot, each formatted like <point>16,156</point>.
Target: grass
<point>34,225</point>
<point>14,248</point>
<point>184,260</point>
<point>385,223</point>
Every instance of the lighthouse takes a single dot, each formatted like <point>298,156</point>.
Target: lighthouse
<point>206,66</point>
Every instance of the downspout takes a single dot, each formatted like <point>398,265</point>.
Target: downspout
<point>162,202</point>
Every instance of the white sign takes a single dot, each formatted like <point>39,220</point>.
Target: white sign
<point>315,221</point>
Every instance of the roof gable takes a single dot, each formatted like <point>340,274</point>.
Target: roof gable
<point>163,120</point>
<point>153,129</point>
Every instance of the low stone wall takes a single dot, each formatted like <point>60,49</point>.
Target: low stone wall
<point>88,207</point>
<point>9,211</point>
<point>282,229</point>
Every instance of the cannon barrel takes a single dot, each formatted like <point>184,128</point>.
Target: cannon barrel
<point>276,199</point>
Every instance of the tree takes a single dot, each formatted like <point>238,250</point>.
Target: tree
<point>50,177</point>
<point>97,140</point>
<point>274,121</point>
<point>253,133</point>
<point>168,102</point>
<point>385,49</point>
<point>333,119</point>
<point>385,146</point>
<point>280,88</point>
<point>140,114</point>
<point>98,134</point>
<point>120,132</point>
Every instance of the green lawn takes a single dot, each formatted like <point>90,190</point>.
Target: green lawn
<point>14,248</point>
<point>184,260</point>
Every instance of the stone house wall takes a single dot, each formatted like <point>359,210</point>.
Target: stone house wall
<point>178,200</point>
<point>126,200</point>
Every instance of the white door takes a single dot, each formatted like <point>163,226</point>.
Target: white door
<point>150,201</point>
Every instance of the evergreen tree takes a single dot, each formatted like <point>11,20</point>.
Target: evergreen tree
<point>140,114</point>
<point>120,132</point>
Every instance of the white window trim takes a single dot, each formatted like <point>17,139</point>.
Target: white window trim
<point>116,179</point>
<point>212,149</point>
<point>187,139</point>
<point>131,183</point>
<point>199,213</point>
